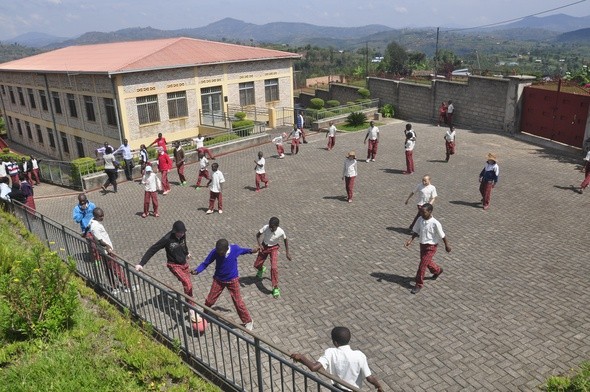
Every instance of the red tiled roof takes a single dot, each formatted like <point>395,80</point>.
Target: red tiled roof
<point>124,57</point>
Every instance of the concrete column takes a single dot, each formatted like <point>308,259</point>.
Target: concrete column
<point>514,102</point>
<point>272,118</point>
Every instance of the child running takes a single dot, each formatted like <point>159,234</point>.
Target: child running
<point>450,142</point>
<point>215,185</point>
<point>203,171</point>
<point>260,171</point>
<point>271,235</point>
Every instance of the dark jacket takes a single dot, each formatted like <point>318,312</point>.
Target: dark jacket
<point>176,249</point>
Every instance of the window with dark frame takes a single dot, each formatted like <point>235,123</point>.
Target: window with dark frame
<point>247,96</point>
<point>43,98</point>
<point>51,137</point>
<point>80,147</point>
<point>109,106</point>
<point>89,105</point>
<point>56,102</point>
<point>19,127</point>
<point>177,106</point>
<point>64,142</point>
<point>271,90</point>
<point>28,128</point>
<point>3,89</point>
<point>32,102</point>
<point>11,93</point>
<point>147,109</point>
<point>39,133</point>
<point>21,96</point>
<point>72,105</point>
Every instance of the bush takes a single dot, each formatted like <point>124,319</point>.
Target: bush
<point>221,139</point>
<point>364,93</point>
<point>332,103</point>
<point>325,114</point>
<point>356,118</point>
<point>316,103</point>
<point>243,127</point>
<point>387,111</point>
<point>240,116</point>
<point>578,382</point>
<point>81,167</point>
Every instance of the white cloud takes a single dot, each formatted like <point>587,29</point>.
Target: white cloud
<point>401,10</point>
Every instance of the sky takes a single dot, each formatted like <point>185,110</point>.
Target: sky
<point>71,18</point>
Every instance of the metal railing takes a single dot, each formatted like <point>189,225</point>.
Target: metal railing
<point>286,116</point>
<point>64,173</point>
<point>252,112</point>
<point>240,359</point>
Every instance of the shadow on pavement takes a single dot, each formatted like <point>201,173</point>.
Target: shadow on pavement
<point>475,204</point>
<point>254,280</point>
<point>401,230</point>
<point>393,171</point>
<point>404,281</point>
<point>341,198</point>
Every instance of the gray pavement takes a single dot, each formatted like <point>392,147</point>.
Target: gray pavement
<point>510,309</point>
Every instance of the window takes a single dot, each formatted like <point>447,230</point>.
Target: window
<point>39,133</point>
<point>43,98</point>
<point>28,128</point>
<point>247,94</point>
<point>89,104</point>
<point>19,127</point>
<point>56,102</point>
<point>80,147</point>
<point>72,105</point>
<point>21,96</point>
<point>10,122</point>
<point>11,93</point>
<point>271,90</point>
<point>31,94</point>
<point>64,142</point>
<point>177,105</point>
<point>3,89</point>
<point>147,109</point>
<point>51,137</point>
<point>109,105</point>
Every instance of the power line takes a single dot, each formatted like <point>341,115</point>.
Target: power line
<point>516,19</point>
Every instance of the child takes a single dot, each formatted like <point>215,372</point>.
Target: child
<point>152,185</point>
<point>271,234</point>
<point>450,142</point>
<point>203,171</point>
<point>226,276</point>
<point>215,185</point>
<point>488,178</point>
<point>278,141</point>
<point>179,158</point>
<point>295,136</point>
<point>409,147</point>
<point>349,174</point>
<point>442,113</point>
<point>260,171</point>
<point>373,137</point>
<point>200,141</point>
<point>331,135</point>
<point>164,166</point>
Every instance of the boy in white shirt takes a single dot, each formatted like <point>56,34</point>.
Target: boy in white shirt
<point>349,174</point>
<point>200,142</point>
<point>152,185</point>
<point>409,150</point>
<point>268,238</point>
<point>295,137</point>
<point>331,135</point>
<point>373,136</point>
<point>203,171</point>
<point>260,171</point>
<point>426,193</point>
<point>215,185</point>
<point>450,142</point>
<point>278,142</point>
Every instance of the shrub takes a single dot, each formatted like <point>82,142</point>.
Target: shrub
<point>387,111</point>
<point>243,127</point>
<point>240,116</point>
<point>152,153</point>
<point>364,93</point>
<point>316,103</point>
<point>575,382</point>
<point>325,114</point>
<point>332,103</point>
<point>81,167</point>
<point>356,118</point>
<point>221,139</point>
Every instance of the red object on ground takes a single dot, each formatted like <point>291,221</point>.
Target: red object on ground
<point>3,143</point>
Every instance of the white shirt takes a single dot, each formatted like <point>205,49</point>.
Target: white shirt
<point>3,170</point>
<point>35,164</point>
<point>296,134</point>
<point>450,109</point>
<point>587,156</point>
<point>373,133</point>
<point>450,136</point>
<point>151,182</point>
<point>109,160</point>
<point>410,144</point>
<point>430,231</point>
<point>411,131</point>
<point>349,365</point>
<point>4,191</point>
<point>332,130</point>
<point>101,150</point>
<point>200,141</point>
<point>425,193</point>
<point>349,168</point>
<point>260,166</point>
<point>99,232</point>
<point>269,238</point>
<point>278,140</point>
<point>216,180</point>
<point>125,150</point>
<point>203,162</point>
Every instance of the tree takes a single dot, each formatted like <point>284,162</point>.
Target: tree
<point>395,58</point>
<point>447,61</point>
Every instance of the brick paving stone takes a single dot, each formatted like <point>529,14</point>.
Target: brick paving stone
<point>510,309</point>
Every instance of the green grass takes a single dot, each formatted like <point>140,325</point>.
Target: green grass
<point>350,128</point>
<point>575,382</point>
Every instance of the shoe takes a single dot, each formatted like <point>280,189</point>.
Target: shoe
<point>305,142</point>
<point>266,184</point>
<point>276,292</point>
<point>165,192</point>
<point>373,160</point>
<point>157,215</point>
<point>416,290</point>
<point>368,160</point>
<point>183,183</point>
<point>130,289</point>
<point>209,211</point>
<point>257,190</point>
<point>350,200</point>
<point>144,215</point>
<point>249,326</point>
<point>435,276</point>
<point>103,188</point>
<point>193,316</point>
<point>220,211</point>
<point>406,172</point>
<point>115,291</point>
<point>261,272</point>
<point>486,207</point>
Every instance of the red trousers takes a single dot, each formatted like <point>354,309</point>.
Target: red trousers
<point>180,169</point>
<point>165,183</point>
<point>261,178</point>
<point>234,290</point>
<point>427,252</point>
<point>182,273</point>
<point>36,177</point>
<point>273,251</point>
<point>349,185</point>
<point>280,149</point>
<point>114,270</point>
<point>331,142</point>
<point>410,161</point>
<point>205,151</point>
<point>147,197</point>
<point>485,188</point>
<point>294,145</point>
<point>450,147</point>
<point>212,197</point>
<point>202,174</point>
<point>372,150</point>
<point>586,181</point>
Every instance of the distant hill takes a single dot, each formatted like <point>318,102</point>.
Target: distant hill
<point>578,36</point>
<point>35,40</point>
<point>560,23</point>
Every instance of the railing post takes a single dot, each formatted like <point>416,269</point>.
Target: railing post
<point>258,357</point>
<point>63,231</point>
<point>181,302</point>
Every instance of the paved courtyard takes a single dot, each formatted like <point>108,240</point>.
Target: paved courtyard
<point>510,309</point>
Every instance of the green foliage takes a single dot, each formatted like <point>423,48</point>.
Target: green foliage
<point>152,153</point>
<point>576,382</point>
<point>81,167</point>
<point>243,127</point>
<point>240,116</point>
<point>10,155</point>
<point>2,126</point>
<point>316,103</point>
<point>356,118</point>
<point>394,59</point>
<point>6,150</point>
<point>387,110</point>
<point>364,93</point>
<point>332,103</point>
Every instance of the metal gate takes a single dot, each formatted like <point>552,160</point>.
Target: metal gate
<point>555,115</point>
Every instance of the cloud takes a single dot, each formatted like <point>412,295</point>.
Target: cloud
<point>56,2</point>
<point>401,10</point>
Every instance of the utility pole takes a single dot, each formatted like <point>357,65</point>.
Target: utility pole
<point>367,64</point>
<point>436,54</point>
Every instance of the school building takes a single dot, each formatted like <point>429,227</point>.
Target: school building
<point>67,102</point>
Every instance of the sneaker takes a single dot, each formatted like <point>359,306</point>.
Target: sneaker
<point>416,290</point>
<point>193,316</point>
<point>220,211</point>
<point>350,200</point>
<point>115,291</point>
<point>183,183</point>
<point>209,211</point>
<point>435,276</point>
<point>144,215</point>
<point>257,190</point>
<point>130,289</point>
<point>249,326</point>
<point>157,215</point>
<point>165,192</point>
<point>260,272</point>
<point>373,160</point>
<point>368,160</point>
<point>276,292</point>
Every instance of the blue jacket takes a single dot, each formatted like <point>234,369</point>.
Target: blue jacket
<point>83,216</point>
<point>226,267</point>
